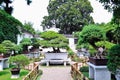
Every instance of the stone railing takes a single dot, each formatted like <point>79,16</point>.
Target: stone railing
<point>76,74</point>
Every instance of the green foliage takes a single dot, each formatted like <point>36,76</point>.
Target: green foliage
<point>35,42</point>
<point>9,27</point>
<point>91,34</point>
<point>117,35</point>
<point>83,45</point>
<point>113,6</point>
<point>70,52</point>
<point>19,60</point>
<point>84,69</point>
<point>17,48</point>
<point>53,39</point>
<point>76,34</point>
<point>29,27</point>
<point>8,44</point>
<point>7,5</point>
<point>106,44</point>
<point>68,15</point>
<point>114,58</point>
<point>92,50</point>
<point>2,49</point>
<point>6,75</point>
<point>110,4</point>
<point>25,42</point>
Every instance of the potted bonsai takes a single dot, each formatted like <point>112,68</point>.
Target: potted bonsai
<point>90,35</point>
<point>19,61</point>
<point>114,61</point>
<point>55,42</point>
<point>8,45</point>
<point>10,48</point>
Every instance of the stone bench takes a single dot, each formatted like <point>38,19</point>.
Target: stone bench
<point>56,58</point>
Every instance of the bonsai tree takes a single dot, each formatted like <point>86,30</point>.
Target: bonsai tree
<point>114,59</point>
<point>35,43</point>
<point>19,60</point>
<point>25,43</point>
<point>91,34</point>
<point>54,40</point>
<point>8,44</point>
<point>11,47</point>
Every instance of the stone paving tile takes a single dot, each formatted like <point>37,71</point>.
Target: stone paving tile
<point>56,73</point>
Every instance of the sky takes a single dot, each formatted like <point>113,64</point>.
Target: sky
<point>38,9</point>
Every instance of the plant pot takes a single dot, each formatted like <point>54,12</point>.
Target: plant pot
<point>4,56</point>
<point>98,62</point>
<point>15,71</point>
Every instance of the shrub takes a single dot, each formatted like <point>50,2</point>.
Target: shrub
<point>70,52</point>
<point>84,69</point>
<point>114,58</point>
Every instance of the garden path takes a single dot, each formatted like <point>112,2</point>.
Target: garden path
<point>56,73</point>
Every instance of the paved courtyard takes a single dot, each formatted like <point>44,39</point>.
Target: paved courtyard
<point>56,73</point>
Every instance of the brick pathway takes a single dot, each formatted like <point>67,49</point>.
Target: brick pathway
<point>56,73</point>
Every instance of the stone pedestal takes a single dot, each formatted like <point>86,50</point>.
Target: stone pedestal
<point>4,63</point>
<point>15,76</point>
<point>99,72</point>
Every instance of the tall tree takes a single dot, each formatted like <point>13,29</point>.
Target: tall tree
<point>5,5</point>
<point>68,15</point>
<point>113,5</point>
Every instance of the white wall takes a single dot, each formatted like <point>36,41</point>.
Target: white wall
<point>72,44</point>
<point>23,35</point>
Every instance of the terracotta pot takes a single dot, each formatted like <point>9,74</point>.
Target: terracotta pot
<point>98,62</point>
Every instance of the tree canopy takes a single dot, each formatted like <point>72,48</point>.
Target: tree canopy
<point>113,5</point>
<point>54,40</point>
<point>91,34</point>
<point>6,5</point>
<point>68,15</point>
<point>9,27</point>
